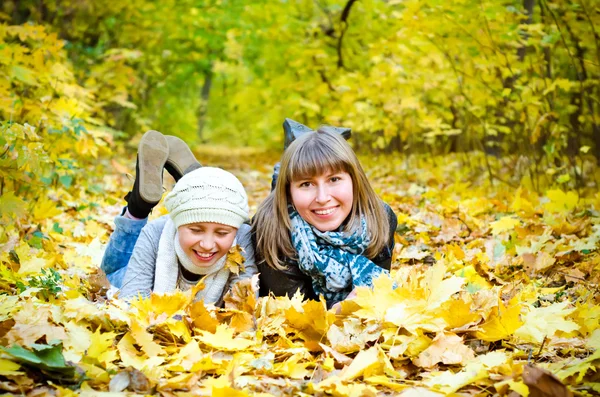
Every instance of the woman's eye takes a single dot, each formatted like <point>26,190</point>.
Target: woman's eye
<point>335,179</point>
<point>305,184</point>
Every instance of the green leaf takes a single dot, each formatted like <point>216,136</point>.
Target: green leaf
<point>45,357</point>
<point>66,180</point>
<point>11,206</point>
<point>25,75</point>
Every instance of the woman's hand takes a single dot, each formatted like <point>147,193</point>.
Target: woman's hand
<point>338,306</point>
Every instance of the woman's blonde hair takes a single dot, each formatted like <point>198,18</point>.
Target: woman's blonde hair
<point>310,155</point>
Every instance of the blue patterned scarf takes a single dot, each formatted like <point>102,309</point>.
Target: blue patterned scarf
<point>334,260</point>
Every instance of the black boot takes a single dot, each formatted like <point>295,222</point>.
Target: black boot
<point>147,191</point>
<point>181,160</point>
<point>293,130</point>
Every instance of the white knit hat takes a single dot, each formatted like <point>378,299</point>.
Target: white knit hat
<point>208,194</point>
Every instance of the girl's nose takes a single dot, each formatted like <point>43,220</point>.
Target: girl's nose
<point>207,242</point>
<point>323,195</point>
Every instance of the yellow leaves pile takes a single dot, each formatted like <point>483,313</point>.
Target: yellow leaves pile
<point>460,317</point>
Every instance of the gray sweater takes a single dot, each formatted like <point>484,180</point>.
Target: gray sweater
<point>139,277</point>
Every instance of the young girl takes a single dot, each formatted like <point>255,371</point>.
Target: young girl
<point>208,208</point>
<point>322,230</point>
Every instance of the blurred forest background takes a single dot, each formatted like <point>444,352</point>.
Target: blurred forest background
<point>510,87</point>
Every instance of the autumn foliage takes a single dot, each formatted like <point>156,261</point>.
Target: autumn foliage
<point>477,121</point>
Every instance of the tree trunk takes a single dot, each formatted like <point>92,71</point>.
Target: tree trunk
<point>528,5</point>
<point>203,107</point>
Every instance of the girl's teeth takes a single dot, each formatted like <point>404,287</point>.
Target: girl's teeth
<point>324,212</point>
<point>205,255</point>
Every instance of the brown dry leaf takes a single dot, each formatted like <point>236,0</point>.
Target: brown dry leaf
<point>339,357</point>
<point>543,383</point>
<point>6,326</point>
<point>243,295</point>
<point>351,336</point>
<point>536,264</point>
<point>31,323</point>
<point>130,379</point>
<point>98,284</point>
<point>446,348</point>
<point>574,275</point>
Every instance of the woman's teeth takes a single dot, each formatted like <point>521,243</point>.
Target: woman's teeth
<point>324,212</point>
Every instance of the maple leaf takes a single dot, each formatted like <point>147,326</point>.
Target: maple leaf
<point>32,322</point>
<point>504,224</point>
<point>159,308</point>
<point>186,358</point>
<point>201,318</point>
<point>374,302</point>
<point>100,347</point>
<point>408,345</point>
<point>8,367</point>
<point>77,341</point>
<point>352,336</point>
<point>292,368</point>
<point>364,360</point>
<point>235,260</point>
<point>546,321</point>
<point>560,201</point>
<point>438,289</point>
<point>243,295</point>
<point>11,207</point>
<point>45,208</point>
<point>447,348</point>
<point>227,392</point>
<point>313,320</point>
<point>448,382</point>
<point>131,357</point>
<point>502,323</point>
<point>458,312</point>
<point>541,381</point>
<point>144,339</point>
<point>223,339</point>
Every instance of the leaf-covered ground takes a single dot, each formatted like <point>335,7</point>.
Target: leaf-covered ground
<point>493,289</point>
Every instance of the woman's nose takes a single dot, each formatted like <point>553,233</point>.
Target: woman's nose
<point>323,194</point>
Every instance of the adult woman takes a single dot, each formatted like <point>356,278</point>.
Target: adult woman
<point>322,230</point>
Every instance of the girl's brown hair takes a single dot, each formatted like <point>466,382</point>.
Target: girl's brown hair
<point>310,155</point>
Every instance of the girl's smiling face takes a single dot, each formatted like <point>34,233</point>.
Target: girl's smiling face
<point>206,242</point>
<point>325,200</point>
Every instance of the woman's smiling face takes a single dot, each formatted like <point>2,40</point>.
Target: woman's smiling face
<point>325,200</point>
<point>206,242</point>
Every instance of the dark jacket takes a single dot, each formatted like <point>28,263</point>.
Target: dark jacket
<point>290,280</point>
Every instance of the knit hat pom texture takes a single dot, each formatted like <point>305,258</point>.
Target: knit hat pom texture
<point>208,194</point>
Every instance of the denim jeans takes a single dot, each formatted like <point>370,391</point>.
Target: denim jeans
<point>120,247</point>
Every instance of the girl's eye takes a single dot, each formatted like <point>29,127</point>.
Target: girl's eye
<point>223,234</point>
<point>305,184</point>
<point>335,179</point>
